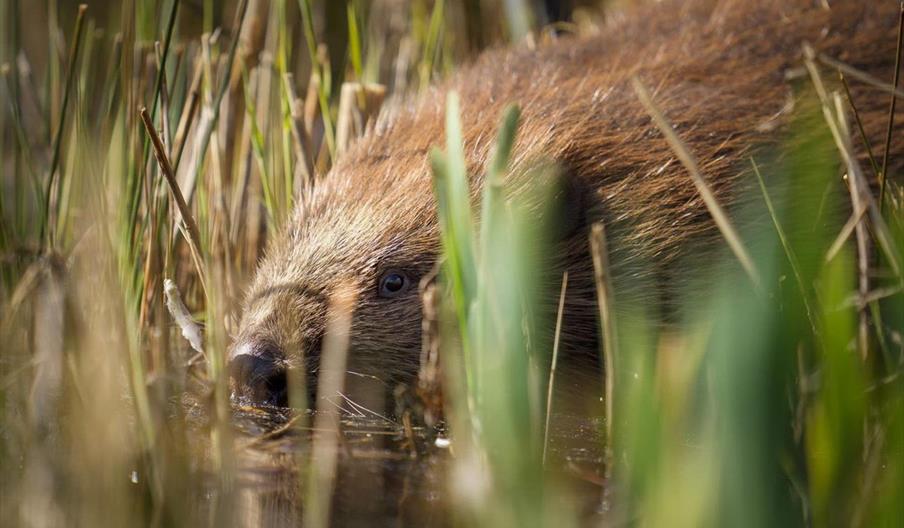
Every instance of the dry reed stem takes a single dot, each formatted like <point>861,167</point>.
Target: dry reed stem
<point>25,287</point>
<point>863,245</point>
<point>214,170</point>
<point>552,367</point>
<point>430,377</point>
<point>189,110</point>
<point>243,217</point>
<point>858,301</point>
<point>210,113</point>
<point>22,135</point>
<point>300,139</point>
<point>324,452</point>
<point>601,273</point>
<point>312,113</point>
<point>845,233</point>
<point>864,249</point>
<point>164,96</point>
<point>193,236</point>
<point>49,219</point>
<point>880,228</point>
<point>690,163</point>
<point>877,171</point>
<point>891,109</point>
<point>860,75</point>
<point>358,104</point>
<point>148,274</point>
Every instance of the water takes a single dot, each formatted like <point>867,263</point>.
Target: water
<point>387,474</point>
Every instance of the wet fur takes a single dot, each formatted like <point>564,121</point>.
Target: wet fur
<point>717,68</point>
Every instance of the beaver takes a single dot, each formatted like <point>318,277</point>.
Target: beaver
<point>723,71</point>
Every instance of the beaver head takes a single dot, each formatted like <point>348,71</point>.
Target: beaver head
<point>370,226</point>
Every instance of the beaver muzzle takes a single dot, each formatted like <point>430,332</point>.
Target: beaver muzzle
<point>257,376</point>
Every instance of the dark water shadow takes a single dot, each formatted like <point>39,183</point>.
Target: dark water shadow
<point>387,474</point>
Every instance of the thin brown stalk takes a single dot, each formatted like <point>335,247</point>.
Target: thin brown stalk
<point>601,275</point>
<point>21,134</point>
<point>324,452</point>
<point>345,126</point>
<point>152,275</point>
<point>402,64</point>
<point>24,289</point>
<point>300,139</point>
<point>863,247</point>
<point>860,194</point>
<point>213,106</point>
<point>187,116</point>
<point>215,169</point>
<point>429,379</point>
<point>161,339</point>
<point>864,250</point>
<point>891,109</point>
<point>837,125</point>
<point>845,233</point>
<point>47,218</point>
<point>860,301</point>
<point>709,198</point>
<point>243,218</point>
<point>860,75</point>
<point>552,367</point>
<point>147,286</point>
<point>312,124</point>
<point>164,95</point>
<point>164,54</point>
<point>877,171</point>
<point>358,104</point>
<point>191,228</point>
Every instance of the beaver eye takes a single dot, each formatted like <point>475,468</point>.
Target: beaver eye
<point>393,283</point>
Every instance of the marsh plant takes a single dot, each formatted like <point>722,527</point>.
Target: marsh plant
<point>148,150</point>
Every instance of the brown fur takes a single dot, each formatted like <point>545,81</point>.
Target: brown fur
<point>717,68</point>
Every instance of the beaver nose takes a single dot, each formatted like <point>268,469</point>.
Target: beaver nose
<point>257,377</point>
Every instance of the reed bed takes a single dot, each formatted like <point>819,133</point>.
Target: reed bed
<point>150,149</point>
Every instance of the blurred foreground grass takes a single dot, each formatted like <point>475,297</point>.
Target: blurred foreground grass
<point>781,403</point>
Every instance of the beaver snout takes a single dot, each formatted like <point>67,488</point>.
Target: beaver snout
<point>257,376</point>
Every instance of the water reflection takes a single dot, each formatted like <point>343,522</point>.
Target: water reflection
<point>387,474</point>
